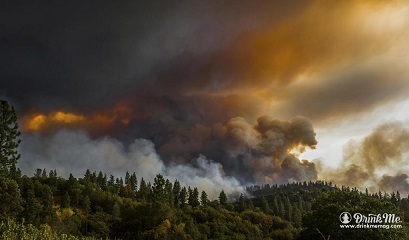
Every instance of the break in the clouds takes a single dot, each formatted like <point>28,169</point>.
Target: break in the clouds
<point>195,77</point>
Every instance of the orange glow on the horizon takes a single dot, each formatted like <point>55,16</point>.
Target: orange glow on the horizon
<point>36,122</point>
<point>67,117</point>
<point>39,122</point>
<point>122,114</point>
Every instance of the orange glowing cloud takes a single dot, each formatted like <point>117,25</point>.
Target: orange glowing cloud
<point>122,114</point>
<point>40,122</point>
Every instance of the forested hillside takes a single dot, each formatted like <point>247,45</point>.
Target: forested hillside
<point>131,208</point>
<point>97,206</point>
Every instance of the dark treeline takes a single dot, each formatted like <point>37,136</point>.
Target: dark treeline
<point>131,208</point>
<point>97,206</point>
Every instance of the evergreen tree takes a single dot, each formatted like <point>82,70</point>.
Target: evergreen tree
<point>44,174</point>
<point>32,208</point>
<point>189,196</point>
<point>296,217</point>
<point>10,199</point>
<point>176,192</point>
<point>66,201</point>
<point>169,192</point>
<point>288,209</point>
<point>9,141</point>
<point>301,204</point>
<point>251,205</point>
<point>143,191</point>
<point>102,181</point>
<point>182,197</point>
<point>276,209</point>
<point>193,199</point>
<point>281,209</point>
<point>241,203</point>
<point>48,212</point>
<point>15,173</point>
<point>127,177</point>
<point>134,183</point>
<point>203,199</point>
<point>264,204</point>
<point>223,198</point>
<point>158,189</point>
<point>37,173</point>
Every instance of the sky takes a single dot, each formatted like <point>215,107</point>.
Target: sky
<point>220,94</point>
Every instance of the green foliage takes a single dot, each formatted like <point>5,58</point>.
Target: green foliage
<point>66,201</point>
<point>223,198</point>
<point>169,211</point>
<point>10,199</point>
<point>12,230</point>
<point>327,208</point>
<point>203,199</point>
<point>9,141</point>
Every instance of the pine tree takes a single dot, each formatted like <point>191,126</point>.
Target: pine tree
<point>9,141</point>
<point>296,217</point>
<point>176,192</point>
<point>37,173</point>
<point>32,208</point>
<point>251,204</point>
<point>158,189</point>
<point>193,198</point>
<point>169,192</point>
<point>203,199</point>
<point>276,209</point>
<point>182,197</point>
<point>241,203</point>
<point>102,181</point>
<point>44,174</point>
<point>48,212</point>
<point>281,209</point>
<point>134,183</point>
<point>143,191</point>
<point>66,201</point>
<point>264,204</point>
<point>10,199</point>
<point>288,208</point>
<point>15,173</point>
<point>189,196</point>
<point>223,198</point>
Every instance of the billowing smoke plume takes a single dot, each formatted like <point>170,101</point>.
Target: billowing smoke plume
<point>265,148</point>
<point>257,153</point>
<point>241,153</point>
<point>71,151</point>
<point>378,162</point>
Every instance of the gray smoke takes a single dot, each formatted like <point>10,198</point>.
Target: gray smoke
<point>377,162</point>
<point>71,151</point>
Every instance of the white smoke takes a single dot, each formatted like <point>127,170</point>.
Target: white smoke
<point>207,176</point>
<point>72,151</point>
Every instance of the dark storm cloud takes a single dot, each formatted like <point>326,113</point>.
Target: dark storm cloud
<point>85,54</point>
<point>251,153</point>
<point>197,75</point>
